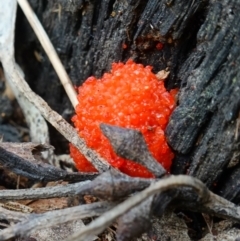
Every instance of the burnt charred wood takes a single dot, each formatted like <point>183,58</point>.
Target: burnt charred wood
<point>204,124</point>
<point>208,82</point>
<point>229,185</point>
<point>215,150</point>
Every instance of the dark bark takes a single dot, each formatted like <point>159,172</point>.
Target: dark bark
<point>229,185</point>
<point>200,47</point>
<point>204,125</point>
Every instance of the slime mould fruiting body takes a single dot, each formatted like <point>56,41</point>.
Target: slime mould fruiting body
<point>129,96</point>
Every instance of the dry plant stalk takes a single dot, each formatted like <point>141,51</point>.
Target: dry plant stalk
<point>24,159</point>
<point>50,51</point>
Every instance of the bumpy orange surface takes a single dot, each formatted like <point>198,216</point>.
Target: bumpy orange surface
<point>129,96</point>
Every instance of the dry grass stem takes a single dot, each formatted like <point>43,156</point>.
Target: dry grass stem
<point>50,51</point>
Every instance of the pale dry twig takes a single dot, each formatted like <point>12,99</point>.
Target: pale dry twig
<point>50,51</point>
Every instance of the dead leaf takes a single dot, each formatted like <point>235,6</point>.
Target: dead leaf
<point>43,205</point>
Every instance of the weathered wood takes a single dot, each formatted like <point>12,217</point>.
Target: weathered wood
<point>229,186</point>
<point>204,124</point>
